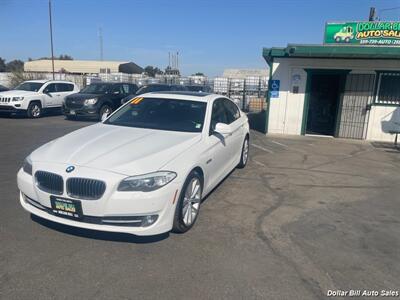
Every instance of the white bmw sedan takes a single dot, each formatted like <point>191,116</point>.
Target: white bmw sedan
<point>143,170</point>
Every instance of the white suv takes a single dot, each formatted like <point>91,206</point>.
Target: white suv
<point>34,96</point>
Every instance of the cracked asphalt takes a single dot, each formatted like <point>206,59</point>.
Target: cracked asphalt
<point>307,215</point>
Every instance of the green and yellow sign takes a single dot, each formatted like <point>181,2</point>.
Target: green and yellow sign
<point>363,33</point>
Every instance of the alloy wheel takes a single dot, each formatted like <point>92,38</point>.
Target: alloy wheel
<point>35,111</point>
<point>245,154</point>
<point>191,202</point>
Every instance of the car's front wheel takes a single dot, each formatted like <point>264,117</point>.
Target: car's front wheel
<point>105,110</point>
<point>188,206</point>
<point>34,110</point>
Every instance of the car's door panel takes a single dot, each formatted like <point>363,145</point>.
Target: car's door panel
<point>218,147</point>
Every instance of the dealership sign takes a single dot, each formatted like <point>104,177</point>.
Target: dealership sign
<point>363,33</point>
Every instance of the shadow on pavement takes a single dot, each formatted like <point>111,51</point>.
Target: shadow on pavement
<point>99,235</point>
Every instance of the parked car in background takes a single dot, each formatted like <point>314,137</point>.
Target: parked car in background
<point>3,88</point>
<point>155,87</point>
<point>97,99</point>
<point>144,170</point>
<point>199,88</point>
<point>33,97</point>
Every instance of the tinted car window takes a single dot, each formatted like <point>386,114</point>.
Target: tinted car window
<point>51,88</point>
<point>218,114</point>
<point>64,87</point>
<point>232,111</point>
<point>96,88</point>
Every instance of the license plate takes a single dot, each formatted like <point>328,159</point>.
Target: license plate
<point>66,207</point>
<point>72,112</point>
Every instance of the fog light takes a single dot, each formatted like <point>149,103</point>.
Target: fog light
<point>17,105</point>
<point>149,220</point>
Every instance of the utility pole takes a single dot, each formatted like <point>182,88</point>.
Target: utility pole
<point>101,42</point>
<point>372,14</point>
<point>51,39</point>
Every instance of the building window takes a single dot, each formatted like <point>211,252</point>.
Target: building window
<point>388,88</point>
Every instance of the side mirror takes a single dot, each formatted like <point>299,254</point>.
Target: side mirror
<point>104,117</point>
<point>223,128</point>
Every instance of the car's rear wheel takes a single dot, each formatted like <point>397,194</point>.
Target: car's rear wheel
<point>188,206</point>
<point>244,157</point>
<point>34,110</point>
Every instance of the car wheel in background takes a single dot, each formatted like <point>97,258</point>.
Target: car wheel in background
<point>188,206</point>
<point>34,110</point>
<point>244,157</point>
<point>105,109</point>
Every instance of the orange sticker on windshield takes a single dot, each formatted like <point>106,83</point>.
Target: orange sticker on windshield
<point>136,100</point>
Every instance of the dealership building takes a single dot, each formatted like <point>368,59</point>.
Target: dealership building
<point>348,87</point>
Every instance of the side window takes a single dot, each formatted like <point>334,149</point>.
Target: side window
<point>117,89</point>
<point>218,114</point>
<point>64,87</point>
<point>51,88</point>
<point>125,88</point>
<point>232,112</point>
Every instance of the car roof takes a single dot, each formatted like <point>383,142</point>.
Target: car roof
<point>110,83</point>
<point>45,81</point>
<point>183,95</point>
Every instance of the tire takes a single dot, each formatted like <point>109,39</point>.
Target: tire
<point>347,39</point>
<point>34,110</point>
<point>337,39</point>
<point>104,109</point>
<point>187,210</point>
<point>244,155</point>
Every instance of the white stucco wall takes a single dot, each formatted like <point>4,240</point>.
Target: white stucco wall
<point>286,111</point>
<point>382,120</point>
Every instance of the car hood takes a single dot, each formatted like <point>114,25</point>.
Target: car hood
<point>123,150</point>
<point>18,93</point>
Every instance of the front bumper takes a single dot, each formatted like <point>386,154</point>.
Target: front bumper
<point>11,109</point>
<point>113,205</point>
<point>84,111</point>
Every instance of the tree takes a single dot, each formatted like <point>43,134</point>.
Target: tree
<point>198,74</point>
<point>15,65</point>
<point>65,57</point>
<point>152,71</point>
<point>61,57</point>
<point>2,65</point>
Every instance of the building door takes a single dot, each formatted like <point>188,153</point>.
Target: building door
<point>358,94</point>
<point>324,93</point>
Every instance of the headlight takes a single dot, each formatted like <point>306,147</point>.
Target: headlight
<point>90,101</point>
<point>147,182</point>
<point>27,166</point>
<point>17,98</point>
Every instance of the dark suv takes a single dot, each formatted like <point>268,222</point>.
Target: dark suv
<point>97,99</point>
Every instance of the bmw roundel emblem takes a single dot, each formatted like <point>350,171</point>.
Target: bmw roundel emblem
<point>69,169</point>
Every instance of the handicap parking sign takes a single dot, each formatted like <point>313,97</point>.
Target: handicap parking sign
<point>274,88</point>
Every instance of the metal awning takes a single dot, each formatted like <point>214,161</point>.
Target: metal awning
<point>331,51</point>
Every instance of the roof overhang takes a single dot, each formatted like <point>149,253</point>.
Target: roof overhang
<point>331,51</point>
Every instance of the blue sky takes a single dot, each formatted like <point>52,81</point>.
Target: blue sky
<point>209,35</point>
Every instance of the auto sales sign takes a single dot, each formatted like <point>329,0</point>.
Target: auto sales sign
<point>363,33</point>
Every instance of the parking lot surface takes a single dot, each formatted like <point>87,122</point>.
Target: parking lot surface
<point>307,215</point>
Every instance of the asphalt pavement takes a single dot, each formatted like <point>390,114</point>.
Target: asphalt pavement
<point>307,215</point>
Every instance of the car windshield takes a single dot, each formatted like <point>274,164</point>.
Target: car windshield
<point>96,89</point>
<point>29,86</point>
<point>161,114</point>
